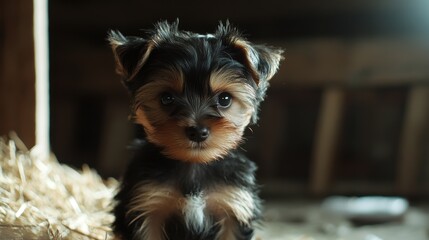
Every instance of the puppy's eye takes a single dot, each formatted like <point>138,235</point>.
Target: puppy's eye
<point>167,98</point>
<point>224,100</point>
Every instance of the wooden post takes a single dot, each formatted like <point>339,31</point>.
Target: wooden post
<point>326,139</point>
<point>17,76</point>
<point>411,145</point>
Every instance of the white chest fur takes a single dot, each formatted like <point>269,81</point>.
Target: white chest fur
<point>225,205</point>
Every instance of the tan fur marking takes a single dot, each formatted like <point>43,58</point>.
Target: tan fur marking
<point>165,80</point>
<point>142,61</point>
<point>229,201</point>
<point>231,206</point>
<point>225,133</point>
<point>242,108</point>
<point>119,67</point>
<point>223,137</point>
<point>153,203</point>
<point>251,57</point>
<point>228,229</point>
<point>141,119</point>
<point>148,96</point>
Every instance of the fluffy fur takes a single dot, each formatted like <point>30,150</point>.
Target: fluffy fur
<point>194,95</point>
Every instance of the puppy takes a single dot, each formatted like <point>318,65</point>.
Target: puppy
<point>194,95</point>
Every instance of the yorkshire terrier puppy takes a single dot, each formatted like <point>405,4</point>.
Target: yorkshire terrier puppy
<point>194,95</point>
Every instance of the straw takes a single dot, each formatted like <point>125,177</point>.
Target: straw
<point>43,199</point>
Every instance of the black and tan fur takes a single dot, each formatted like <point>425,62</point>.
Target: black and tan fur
<point>194,95</point>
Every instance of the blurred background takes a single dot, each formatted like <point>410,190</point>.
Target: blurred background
<point>348,112</point>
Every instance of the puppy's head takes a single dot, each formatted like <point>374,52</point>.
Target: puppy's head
<point>194,94</point>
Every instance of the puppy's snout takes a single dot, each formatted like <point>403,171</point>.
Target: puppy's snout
<point>197,133</point>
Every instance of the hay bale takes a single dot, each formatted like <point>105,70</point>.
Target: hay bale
<point>42,199</point>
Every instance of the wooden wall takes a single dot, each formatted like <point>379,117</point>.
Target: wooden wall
<point>17,76</point>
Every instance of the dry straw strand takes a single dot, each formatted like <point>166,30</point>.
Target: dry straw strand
<point>43,199</point>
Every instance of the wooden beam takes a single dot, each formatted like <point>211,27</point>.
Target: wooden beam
<point>354,63</point>
<point>312,62</point>
<point>386,62</point>
<point>416,124</point>
<point>17,80</point>
<point>326,139</point>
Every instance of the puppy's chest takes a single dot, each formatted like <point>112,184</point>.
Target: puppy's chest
<point>198,210</point>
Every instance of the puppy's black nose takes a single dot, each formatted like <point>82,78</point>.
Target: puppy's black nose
<point>198,133</point>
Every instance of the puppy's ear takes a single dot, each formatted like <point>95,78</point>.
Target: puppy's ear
<point>130,53</point>
<point>262,62</point>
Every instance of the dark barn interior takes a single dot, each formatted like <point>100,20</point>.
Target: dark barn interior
<point>347,114</point>
<point>360,63</point>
